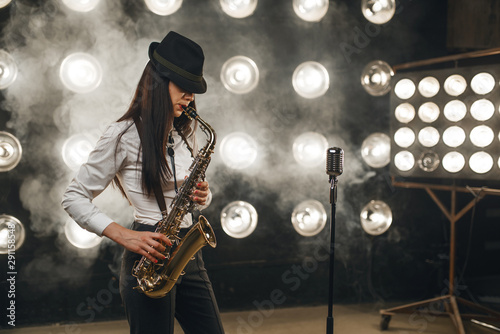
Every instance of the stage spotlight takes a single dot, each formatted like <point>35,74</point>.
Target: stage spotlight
<point>378,11</point>
<point>310,10</point>
<point>80,237</point>
<point>482,83</point>
<point>482,110</point>
<point>454,136</point>
<point>404,137</point>
<point>309,218</point>
<point>8,70</point>
<point>75,150</point>
<point>455,110</point>
<point>404,89</point>
<point>404,161</point>
<point>81,5</point>
<point>428,112</point>
<point>238,8</point>
<point>376,78</point>
<point>163,7</point>
<point>239,75</point>
<point>308,149</point>
<point>376,217</point>
<point>311,80</point>
<point>4,3</point>
<point>428,136</point>
<point>12,234</point>
<point>428,86</point>
<point>455,85</point>
<point>239,219</point>
<point>11,151</point>
<point>482,136</point>
<point>481,162</point>
<point>238,150</point>
<point>80,72</point>
<point>405,113</point>
<point>457,122</point>
<point>376,150</point>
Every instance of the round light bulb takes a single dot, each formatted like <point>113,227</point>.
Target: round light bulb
<point>482,110</point>
<point>404,89</point>
<point>376,217</point>
<point>482,83</point>
<point>310,80</point>
<point>481,162</point>
<point>428,112</point>
<point>455,110</point>
<point>378,11</point>
<point>405,113</point>
<point>455,85</point>
<point>428,136</point>
<point>376,150</point>
<point>404,161</point>
<point>309,218</point>
<point>376,78</point>
<point>428,86</point>
<point>404,137</point>
<point>453,162</point>
<point>454,136</point>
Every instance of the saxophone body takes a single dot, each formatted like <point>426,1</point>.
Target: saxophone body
<point>157,279</point>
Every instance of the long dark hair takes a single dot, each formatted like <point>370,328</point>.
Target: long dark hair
<point>152,105</point>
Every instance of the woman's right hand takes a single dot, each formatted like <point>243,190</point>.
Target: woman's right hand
<point>148,244</point>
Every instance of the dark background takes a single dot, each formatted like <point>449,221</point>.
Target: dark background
<point>57,283</point>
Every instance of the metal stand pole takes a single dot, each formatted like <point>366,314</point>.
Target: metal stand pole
<point>449,301</point>
<point>333,202</point>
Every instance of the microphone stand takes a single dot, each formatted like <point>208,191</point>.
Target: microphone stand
<point>333,202</point>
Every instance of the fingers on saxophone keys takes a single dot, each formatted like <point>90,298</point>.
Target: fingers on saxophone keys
<point>162,238</point>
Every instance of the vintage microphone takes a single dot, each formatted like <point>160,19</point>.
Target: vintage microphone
<point>334,168</point>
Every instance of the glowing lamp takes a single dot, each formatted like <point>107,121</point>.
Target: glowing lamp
<point>376,78</point>
<point>376,150</point>
<point>163,7</point>
<point>12,234</point>
<point>308,149</point>
<point>376,217</point>
<point>310,10</point>
<point>238,150</point>
<point>79,237</point>
<point>238,8</point>
<point>309,218</point>
<point>10,151</point>
<point>75,150</point>
<point>8,70</point>
<point>310,80</point>
<point>4,3</point>
<point>239,75</point>
<point>81,5</point>
<point>239,219</point>
<point>80,73</point>
<point>378,11</point>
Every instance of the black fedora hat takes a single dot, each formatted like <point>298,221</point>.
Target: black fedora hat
<point>181,60</point>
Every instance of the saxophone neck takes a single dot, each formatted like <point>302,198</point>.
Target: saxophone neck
<point>191,113</point>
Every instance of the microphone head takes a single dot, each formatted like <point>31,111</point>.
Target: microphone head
<point>334,161</point>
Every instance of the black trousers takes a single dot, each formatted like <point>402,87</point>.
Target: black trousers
<point>191,301</point>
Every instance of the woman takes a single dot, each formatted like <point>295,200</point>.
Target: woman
<point>132,153</point>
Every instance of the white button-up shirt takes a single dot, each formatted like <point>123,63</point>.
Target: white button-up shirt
<point>110,158</point>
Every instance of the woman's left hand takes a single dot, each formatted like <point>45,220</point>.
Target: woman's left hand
<point>200,194</point>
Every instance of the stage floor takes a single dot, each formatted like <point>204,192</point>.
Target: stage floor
<point>348,319</point>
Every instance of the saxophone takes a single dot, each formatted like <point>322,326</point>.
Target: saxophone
<point>157,279</point>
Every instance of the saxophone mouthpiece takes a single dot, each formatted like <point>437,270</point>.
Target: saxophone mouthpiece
<point>189,111</point>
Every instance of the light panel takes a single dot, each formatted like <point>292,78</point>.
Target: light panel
<point>457,123</point>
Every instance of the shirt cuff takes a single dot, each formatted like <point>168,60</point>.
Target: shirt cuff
<point>99,223</point>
